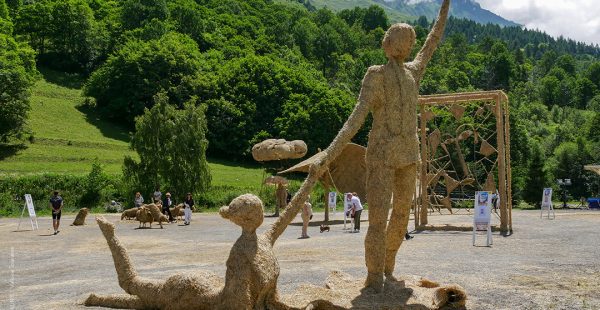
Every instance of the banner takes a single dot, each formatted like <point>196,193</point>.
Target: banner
<point>547,198</point>
<point>30,207</point>
<point>483,203</point>
<point>332,200</point>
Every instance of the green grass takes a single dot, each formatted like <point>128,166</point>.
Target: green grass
<point>69,137</point>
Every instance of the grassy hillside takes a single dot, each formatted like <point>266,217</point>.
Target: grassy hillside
<point>68,138</point>
<point>338,5</point>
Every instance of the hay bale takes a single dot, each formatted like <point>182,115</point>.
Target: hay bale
<point>278,149</point>
<point>80,218</point>
<point>129,214</point>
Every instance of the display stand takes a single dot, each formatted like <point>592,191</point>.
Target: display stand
<point>346,208</point>
<point>332,201</point>
<point>482,216</point>
<point>31,210</point>
<point>547,204</point>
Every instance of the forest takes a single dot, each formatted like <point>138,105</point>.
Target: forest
<point>258,69</point>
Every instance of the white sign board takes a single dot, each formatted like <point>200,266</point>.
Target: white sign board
<point>482,217</point>
<point>331,202</point>
<point>31,209</point>
<point>547,203</point>
<point>347,203</point>
<point>30,206</point>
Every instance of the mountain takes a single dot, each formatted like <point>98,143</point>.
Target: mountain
<point>401,10</point>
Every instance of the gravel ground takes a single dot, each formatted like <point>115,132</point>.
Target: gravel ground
<point>545,264</point>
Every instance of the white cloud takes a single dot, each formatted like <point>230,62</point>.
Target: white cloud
<point>575,19</point>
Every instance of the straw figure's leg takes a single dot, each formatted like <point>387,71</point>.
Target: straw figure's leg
<point>379,194</point>
<point>404,189</point>
<point>129,280</point>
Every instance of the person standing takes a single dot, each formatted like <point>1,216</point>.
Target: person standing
<point>306,217</point>
<point>157,195</point>
<point>139,200</point>
<point>187,211</point>
<point>357,210</point>
<point>166,204</point>
<point>56,203</point>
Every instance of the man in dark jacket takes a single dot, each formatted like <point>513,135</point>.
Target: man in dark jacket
<point>166,204</point>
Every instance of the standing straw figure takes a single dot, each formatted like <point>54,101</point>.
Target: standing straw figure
<point>390,92</point>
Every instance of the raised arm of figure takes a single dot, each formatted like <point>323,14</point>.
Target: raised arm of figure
<point>368,96</point>
<point>433,39</point>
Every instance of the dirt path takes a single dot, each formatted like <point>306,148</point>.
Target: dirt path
<point>545,264</point>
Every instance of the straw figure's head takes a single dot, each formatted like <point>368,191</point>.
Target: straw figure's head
<point>399,41</point>
<point>246,211</point>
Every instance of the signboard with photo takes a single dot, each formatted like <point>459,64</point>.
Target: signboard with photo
<point>547,203</point>
<point>483,215</point>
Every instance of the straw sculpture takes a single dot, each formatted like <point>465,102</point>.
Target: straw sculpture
<point>144,215</point>
<point>156,214</point>
<point>348,171</point>
<point>80,218</point>
<point>457,110</point>
<point>342,291</point>
<point>490,184</point>
<point>434,139</point>
<point>428,115</point>
<point>390,92</point>
<point>129,214</point>
<point>278,149</point>
<point>177,211</point>
<point>250,279</point>
<point>451,184</point>
<point>486,148</point>
<point>447,203</point>
<point>480,111</point>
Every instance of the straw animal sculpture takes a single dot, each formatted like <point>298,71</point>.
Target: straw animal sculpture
<point>177,211</point>
<point>144,215</point>
<point>80,218</point>
<point>129,214</point>
<point>156,214</point>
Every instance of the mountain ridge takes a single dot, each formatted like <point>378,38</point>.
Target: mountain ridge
<point>413,9</point>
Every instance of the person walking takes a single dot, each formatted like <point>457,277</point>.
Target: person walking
<point>356,208</point>
<point>166,205</point>
<point>56,204</point>
<point>306,217</point>
<point>139,200</point>
<point>188,204</point>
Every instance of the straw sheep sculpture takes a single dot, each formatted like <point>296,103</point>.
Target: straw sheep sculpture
<point>144,215</point>
<point>129,214</point>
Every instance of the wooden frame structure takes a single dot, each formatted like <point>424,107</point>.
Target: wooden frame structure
<point>497,103</point>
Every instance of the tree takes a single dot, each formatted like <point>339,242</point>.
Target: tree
<point>128,81</point>
<point>537,177</point>
<point>172,145</point>
<point>135,13</point>
<point>375,17</point>
<point>17,74</point>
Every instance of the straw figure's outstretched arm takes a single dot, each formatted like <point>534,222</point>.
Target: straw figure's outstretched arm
<point>368,96</point>
<point>433,39</point>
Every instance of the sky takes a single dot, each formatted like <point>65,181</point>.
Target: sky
<point>575,19</point>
